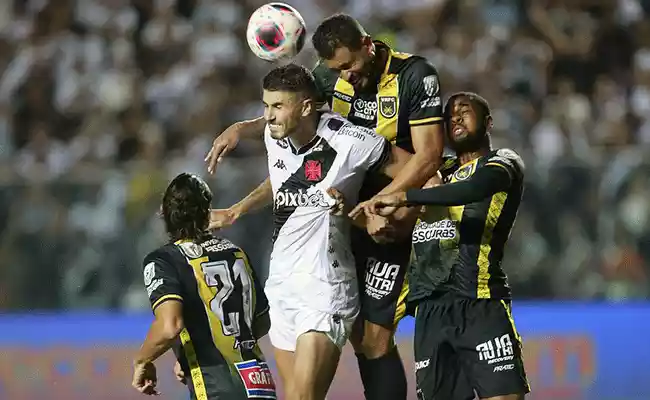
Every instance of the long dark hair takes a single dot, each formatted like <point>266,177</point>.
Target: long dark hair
<point>186,207</point>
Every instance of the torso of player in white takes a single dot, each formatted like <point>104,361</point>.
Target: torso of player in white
<point>308,240</point>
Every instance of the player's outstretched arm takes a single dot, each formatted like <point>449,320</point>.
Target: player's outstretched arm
<point>428,144</point>
<point>260,197</point>
<point>164,331</point>
<point>229,139</point>
<point>484,183</point>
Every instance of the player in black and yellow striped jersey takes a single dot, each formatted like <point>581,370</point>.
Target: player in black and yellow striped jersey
<point>208,305</point>
<point>398,95</point>
<point>465,338</point>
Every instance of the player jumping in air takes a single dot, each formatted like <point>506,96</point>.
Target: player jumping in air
<point>398,96</point>
<point>208,305</point>
<point>465,337</point>
<point>312,283</point>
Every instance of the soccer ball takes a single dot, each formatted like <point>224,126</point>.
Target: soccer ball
<point>276,31</point>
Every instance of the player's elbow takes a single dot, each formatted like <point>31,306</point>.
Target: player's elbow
<point>261,326</point>
<point>428,163</point>
<point>172,327</point>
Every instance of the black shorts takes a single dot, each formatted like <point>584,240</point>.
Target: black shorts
<point>381,270</point>
<point>464,345</point>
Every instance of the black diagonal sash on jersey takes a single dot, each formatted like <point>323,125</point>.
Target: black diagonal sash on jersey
<point>314,168</point>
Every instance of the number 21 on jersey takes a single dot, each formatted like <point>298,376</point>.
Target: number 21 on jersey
<point>232,289</point>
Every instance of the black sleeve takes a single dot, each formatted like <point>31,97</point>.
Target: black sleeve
<point>423,85</point>
<point>325,82</point>
<point>161,279</point>
<point>484,183</point>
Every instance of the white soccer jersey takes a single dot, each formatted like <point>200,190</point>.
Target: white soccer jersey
<point>312,261</point>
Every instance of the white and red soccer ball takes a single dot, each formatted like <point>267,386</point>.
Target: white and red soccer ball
<point>276,31</point>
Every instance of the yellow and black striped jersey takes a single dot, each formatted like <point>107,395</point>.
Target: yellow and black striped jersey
<point>460,248</point>
<point>407,94</point>
<point>221,299</point>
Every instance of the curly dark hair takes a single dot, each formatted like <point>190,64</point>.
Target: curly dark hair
<point>186,207</point>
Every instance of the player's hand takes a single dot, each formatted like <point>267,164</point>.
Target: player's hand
<point>145,379</point>
<point>434,181</point>
<point>222,145</point>
<point>379,228</point>
<point>222,218</point>
<point>179,374</point>
<point>337,209</point>
<point>383,205</point>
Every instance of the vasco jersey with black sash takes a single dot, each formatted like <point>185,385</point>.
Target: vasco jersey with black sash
<point>459,249</point>
<point>221,301</point>
<point>311,250</point>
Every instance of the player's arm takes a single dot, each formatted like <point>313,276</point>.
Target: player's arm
<point>260,197</point>
<point>401,222</point>
<point>164,290</point>
<point>425,119</point>
<point>500,171</point>
<point>254,128</point>
<point>496,176</point>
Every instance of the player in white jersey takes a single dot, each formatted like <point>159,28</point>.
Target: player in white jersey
<point>312,285</point>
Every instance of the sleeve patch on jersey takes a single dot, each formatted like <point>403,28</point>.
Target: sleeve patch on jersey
<point>431,85</point>
<point>498,159</point>
<point>149,273</point>
<point>191,250</point>
<point>334,124</point>
<point>514,158</point>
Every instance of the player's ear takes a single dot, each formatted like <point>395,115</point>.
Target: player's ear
<point>366,43</point>
<point>489,123</point>
<point>307,107</point>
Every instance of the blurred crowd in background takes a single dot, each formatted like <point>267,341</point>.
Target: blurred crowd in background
<point>102,102</point>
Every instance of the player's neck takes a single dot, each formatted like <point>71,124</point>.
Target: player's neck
<point>464,158</point>
<point>306,132</point>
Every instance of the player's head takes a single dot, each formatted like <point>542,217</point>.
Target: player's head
<point>186,207</point>
<point>289,96</point>
<point>467,121</point>
<point>343,45</point>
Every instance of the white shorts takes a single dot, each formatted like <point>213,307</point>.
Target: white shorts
<point>289,322</point>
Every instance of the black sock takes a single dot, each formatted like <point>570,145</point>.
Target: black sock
<point>385,377</point>
<point>365,378</point>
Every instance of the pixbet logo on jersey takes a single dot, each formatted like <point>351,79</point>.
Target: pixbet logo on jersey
<point>257,379</point>
<point>301,198</point>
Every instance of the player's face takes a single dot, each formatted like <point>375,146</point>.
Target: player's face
<point>464,126</point>
<point>282,112</point>
<point>354,66</point>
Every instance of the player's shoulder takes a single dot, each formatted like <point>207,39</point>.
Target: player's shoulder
<point>216,245</point>
<point>165,254</point>
<point>325,79</point>
<point>507,158</point>
<point>415,68</point>
<point>339,130</point>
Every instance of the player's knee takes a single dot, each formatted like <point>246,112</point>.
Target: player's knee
<point>377,340</point>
